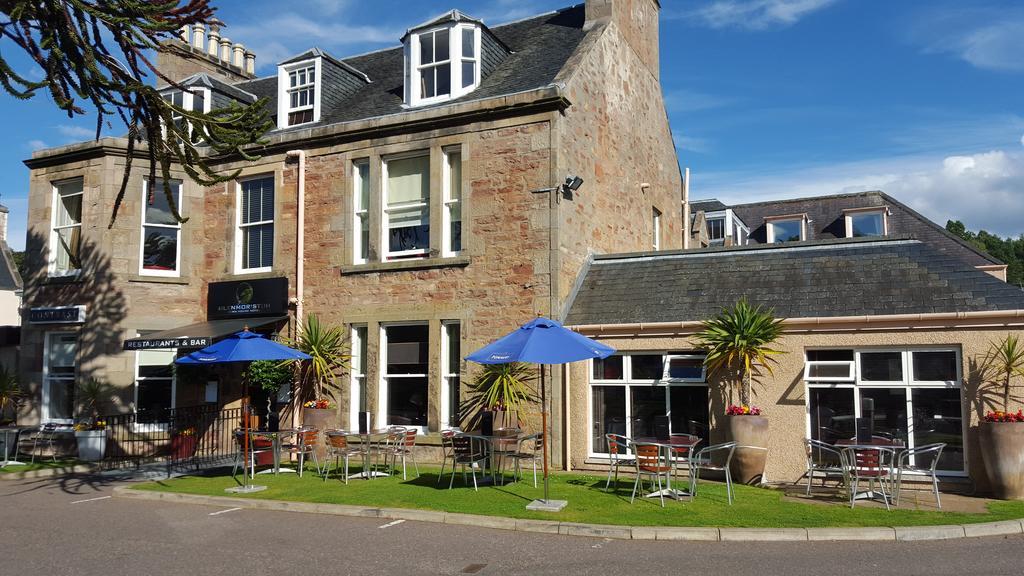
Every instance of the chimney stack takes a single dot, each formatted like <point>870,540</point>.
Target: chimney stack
<point>225,50</point>
<point>198,36</point>
<point>214,46</point>
<point>250,63</point>
<point>212,54</point>
<point>238,55</point>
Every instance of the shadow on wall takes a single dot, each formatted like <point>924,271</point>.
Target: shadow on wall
<point>95,286</point>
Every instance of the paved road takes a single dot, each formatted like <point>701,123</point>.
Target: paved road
<point>71,526</point>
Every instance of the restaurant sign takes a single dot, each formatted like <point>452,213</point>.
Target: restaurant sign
<point>247,298</point>
<point>57,315</point>
<point>165,343</point>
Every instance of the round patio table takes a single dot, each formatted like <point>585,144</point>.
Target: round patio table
<point>878,444</point>
<point>366,440</point>
<point>275,438</point>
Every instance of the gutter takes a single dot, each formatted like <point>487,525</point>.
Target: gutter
<point>981,319</point>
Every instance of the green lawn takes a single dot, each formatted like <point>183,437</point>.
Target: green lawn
<point>753,507</point>
<point>40,464</point>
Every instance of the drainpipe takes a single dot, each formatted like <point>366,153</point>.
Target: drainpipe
<point>686,210</point>
<point>300,255</point>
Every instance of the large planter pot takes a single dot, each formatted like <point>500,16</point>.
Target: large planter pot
<point>748,463</point>
<point>1002,449</point>
<point>92,444</point>
<point>183,447</point>
<point>322,419</point>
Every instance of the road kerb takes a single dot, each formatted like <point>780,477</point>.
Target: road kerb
<point>1007,528</point>
<point>851,534</point>
<point>912,533</point>
<point>763,534</point>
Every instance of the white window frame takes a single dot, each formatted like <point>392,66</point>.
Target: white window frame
<point>448,373</point>
<point>54,244</point>
<point>385,209</point>
<point>908,384</point>
<point>44,409</point>
<point>850,364</point>
<point>176,227</point>
<point>655,228</point>
<point>360,214</point>
<point>382,385</point>
<point>144,427</point>
<point>450,204</point>
<point>628,382</point>
<point>239,209</point>
<point>285,89</point>
<point>188,99</point>
<point>850,213</point>
<point>771,222</point>
<point>415,68</point>
<point>357,381</point>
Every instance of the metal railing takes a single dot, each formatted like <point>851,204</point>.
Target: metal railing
<point>191,436</point>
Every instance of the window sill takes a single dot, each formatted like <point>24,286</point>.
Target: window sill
<point>373,267</point>
<point>66,279</point>
<point>158,279</point>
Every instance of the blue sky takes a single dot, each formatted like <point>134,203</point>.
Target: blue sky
<point>767,98</point>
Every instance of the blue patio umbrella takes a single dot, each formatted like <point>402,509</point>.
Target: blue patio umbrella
<point>244,346</point>
<point>541,341</point>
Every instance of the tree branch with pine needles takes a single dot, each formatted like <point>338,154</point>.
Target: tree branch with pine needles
<point>95,56</point>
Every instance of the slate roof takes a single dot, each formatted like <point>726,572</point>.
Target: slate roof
<point>706,205</point>
<point>540,47</point>
<point>827,222</point>
<point>10,279</point>
<point>848,277</point>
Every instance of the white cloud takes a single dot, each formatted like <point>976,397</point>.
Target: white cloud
<point>291,33</point>
<point>754,14</point>
<point>329,7</point>
<point>36,145</point>
<point>684,100</point>
<point>983,190</point>
<point>691,144</point>
<point>76,132</point>
<point>984,37</point>
<point>1022,139</point>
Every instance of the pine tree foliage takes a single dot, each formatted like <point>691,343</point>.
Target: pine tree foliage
<point>96,57</point>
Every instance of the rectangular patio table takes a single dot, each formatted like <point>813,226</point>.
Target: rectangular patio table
<point>365,442</point>
<point>672,450</point>
<point>275,438</point>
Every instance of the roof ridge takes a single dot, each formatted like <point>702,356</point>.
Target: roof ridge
<point>824,244</point>
<point>808,198</point>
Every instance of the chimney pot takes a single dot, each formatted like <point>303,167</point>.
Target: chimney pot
<point>185,35</point>
<point>225,50</point>
<point>238,55</point>
<point>198,35</point>
<point>250,63</point>
<point>214,45</point>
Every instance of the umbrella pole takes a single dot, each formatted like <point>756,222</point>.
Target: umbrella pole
<point>544,428</point>
<point>245,440</point>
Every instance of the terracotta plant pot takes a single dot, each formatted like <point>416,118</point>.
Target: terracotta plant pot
<point>183,447</point>
<point>322,419</point>
<point>1002,449</point>
<point>748,463</point>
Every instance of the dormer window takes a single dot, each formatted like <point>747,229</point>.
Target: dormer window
<point>301,95</point>
<point>194,99</point>
<point>442,63</point>
<point>790,228</point>
<point>861,222</point>
<point>298,100</point>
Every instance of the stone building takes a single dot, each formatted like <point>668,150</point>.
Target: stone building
<point>887,319</point>
<point>432,180</point>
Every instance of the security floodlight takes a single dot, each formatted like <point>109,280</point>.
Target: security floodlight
<point>573,183</point>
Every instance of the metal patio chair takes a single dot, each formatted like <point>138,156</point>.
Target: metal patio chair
<point>339,448</point>
<point>823,459</point>
<point>872,465</point>
<point>257,445</point>
<point>468,451</point>
<point>403,447</point>
<point>933,451</point>
<point>653,462</point>
<point>44,439</point>
<point>447,451</point>
<point>618,448</point>
<point>703,460</point>
<point>530,449</point>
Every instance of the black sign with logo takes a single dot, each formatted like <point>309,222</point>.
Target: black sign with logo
<point>247,298</point>
<point>57,315</point>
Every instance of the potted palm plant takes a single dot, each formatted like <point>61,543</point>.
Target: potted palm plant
<point>10,396</point>
<point>739,345</point>
<point>91,430</point>
<point>499,390</point>
<point>1002,432</point>
<point>328,347</point>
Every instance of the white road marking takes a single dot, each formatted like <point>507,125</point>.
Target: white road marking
<point>91,499</point>
<point>390,524</point>
<point>224,511</point>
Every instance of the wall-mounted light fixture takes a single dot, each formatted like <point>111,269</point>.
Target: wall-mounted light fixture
<point>572,183</point>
